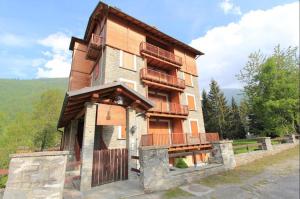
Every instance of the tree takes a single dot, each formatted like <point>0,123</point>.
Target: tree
<point>271,88</point>
<point>236,128</point>
<point>218,110</point>
<point>45,115</point>
<point>206,109</point>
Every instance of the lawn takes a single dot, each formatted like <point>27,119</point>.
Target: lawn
<point>240,142</point>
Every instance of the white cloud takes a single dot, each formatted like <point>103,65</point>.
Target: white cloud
<point>227,47</point>
<point>57,58</point>
<point>9,39</point>
<point>229,8</point>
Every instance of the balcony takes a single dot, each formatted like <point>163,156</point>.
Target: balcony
<point>94,47</point>
<point>163,80</point>
<point>178,139</point>
<point>169,110</point>
<point>159,57</point>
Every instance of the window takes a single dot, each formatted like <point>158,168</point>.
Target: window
<point>127,60</point>
<point>121,132</point>
<point>191,102</point>
<point>188,79</point>
<point>129,83</point>
<point>194,127</point>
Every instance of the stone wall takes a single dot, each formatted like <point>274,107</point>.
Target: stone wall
<point>36,175</point>
<point>222,153</point>
<point>245,158</point>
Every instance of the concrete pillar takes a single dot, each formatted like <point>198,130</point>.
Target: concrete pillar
<point>73,133</point>
<point>266,143</point>
<point>154,162</point>
<point>222,153</point>
<point>88,146</point>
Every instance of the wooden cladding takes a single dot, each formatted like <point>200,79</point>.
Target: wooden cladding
<point>188,78</point>
<point>160,53</point>
<point>122,36</point>
<point>111,115</point>
<point>194,127</point>
<point>178,139</point>
<point>188,62</point>
<point>127,60</point>
<point>162,78</point>
<point>109,166</point>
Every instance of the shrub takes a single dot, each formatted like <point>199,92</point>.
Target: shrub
<point>180,163</point>
<point>3,180</point>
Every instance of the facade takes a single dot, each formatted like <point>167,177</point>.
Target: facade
<point>119,48</point>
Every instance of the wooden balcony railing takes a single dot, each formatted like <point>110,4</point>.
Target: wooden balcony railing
<point>170,108</point>
<point>160,53</point>
<point>162,78</point>
<point>178,139</point>
<point>94,47</point>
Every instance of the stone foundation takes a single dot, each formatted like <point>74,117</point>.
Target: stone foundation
<point>222,153</point>
<point>266,143</point>
<point>36,175</point>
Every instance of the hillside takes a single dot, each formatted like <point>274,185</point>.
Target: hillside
<point>232,92</point>
<point>18,95</point>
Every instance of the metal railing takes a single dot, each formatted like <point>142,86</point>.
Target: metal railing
<point>160,53</point>
<point>162,78</point>
<point>178,139</point>
<point>170,108</point>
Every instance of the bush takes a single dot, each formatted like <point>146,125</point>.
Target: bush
<point>3,180</point>
<point>180,163</point>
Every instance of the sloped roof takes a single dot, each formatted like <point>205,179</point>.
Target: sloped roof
<point>74,101</point>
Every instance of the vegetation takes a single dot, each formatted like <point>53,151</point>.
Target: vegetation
<point>180,163</point>
<point>242,173</point>
<point>228,121</point>
<point>272,92</point>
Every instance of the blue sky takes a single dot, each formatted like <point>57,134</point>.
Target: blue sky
<point>34,34</point>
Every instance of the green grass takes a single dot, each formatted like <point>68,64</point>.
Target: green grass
<point>175,193</point>
<point>244,172</point>
<point>245,150</point>
<point>244,141</point>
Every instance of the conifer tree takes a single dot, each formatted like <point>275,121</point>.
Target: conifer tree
<point>236,128</point>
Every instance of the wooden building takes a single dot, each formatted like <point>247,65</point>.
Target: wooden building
<point>130,86</point>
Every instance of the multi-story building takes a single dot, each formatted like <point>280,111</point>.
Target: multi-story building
<point>120,48</point>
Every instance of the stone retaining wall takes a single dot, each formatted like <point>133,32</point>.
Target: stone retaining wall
<point>36,175</point>
<point>245,158</point>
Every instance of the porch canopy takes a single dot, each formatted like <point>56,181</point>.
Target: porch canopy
<point>112,93</point>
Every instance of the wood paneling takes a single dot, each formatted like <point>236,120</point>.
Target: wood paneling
<point>123,36</point>
<point>188,78</point>
<point>128,61</point>
<point>111,115</point>
<point>188,62</point>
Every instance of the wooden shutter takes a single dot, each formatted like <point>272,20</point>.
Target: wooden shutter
<point>194,128</point>
<point>123,132</point>
<point>188,79</point>
<point>128,61</point>
<point>130,85</point>
<point>191,102</point>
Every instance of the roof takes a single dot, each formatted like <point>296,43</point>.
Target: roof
<point>74,101</point>
<point>103,9</point>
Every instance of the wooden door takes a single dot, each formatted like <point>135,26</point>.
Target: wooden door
<point>161,102</point>
<point>160,132</point>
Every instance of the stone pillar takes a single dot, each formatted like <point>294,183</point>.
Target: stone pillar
<point>88,146</point>
<point>154,167</point>
<point>36,175</point>
<point>73,133</point>
<point>131,138</point>
<point>266,143</point>
<point>291,138</point>
<point>222,153</point>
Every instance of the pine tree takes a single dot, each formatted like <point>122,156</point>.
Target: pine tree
<point>206,109</point>
<point>219,110</point>
<point>236,128</point>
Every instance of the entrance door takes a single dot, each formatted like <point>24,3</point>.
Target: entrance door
<point>160,131</point>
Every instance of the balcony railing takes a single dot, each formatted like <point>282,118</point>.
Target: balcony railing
<point>162,78</point>
<point>170,108</point>
<point>160,53</point>
<point>94,47</point>
<point>178,139</point>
